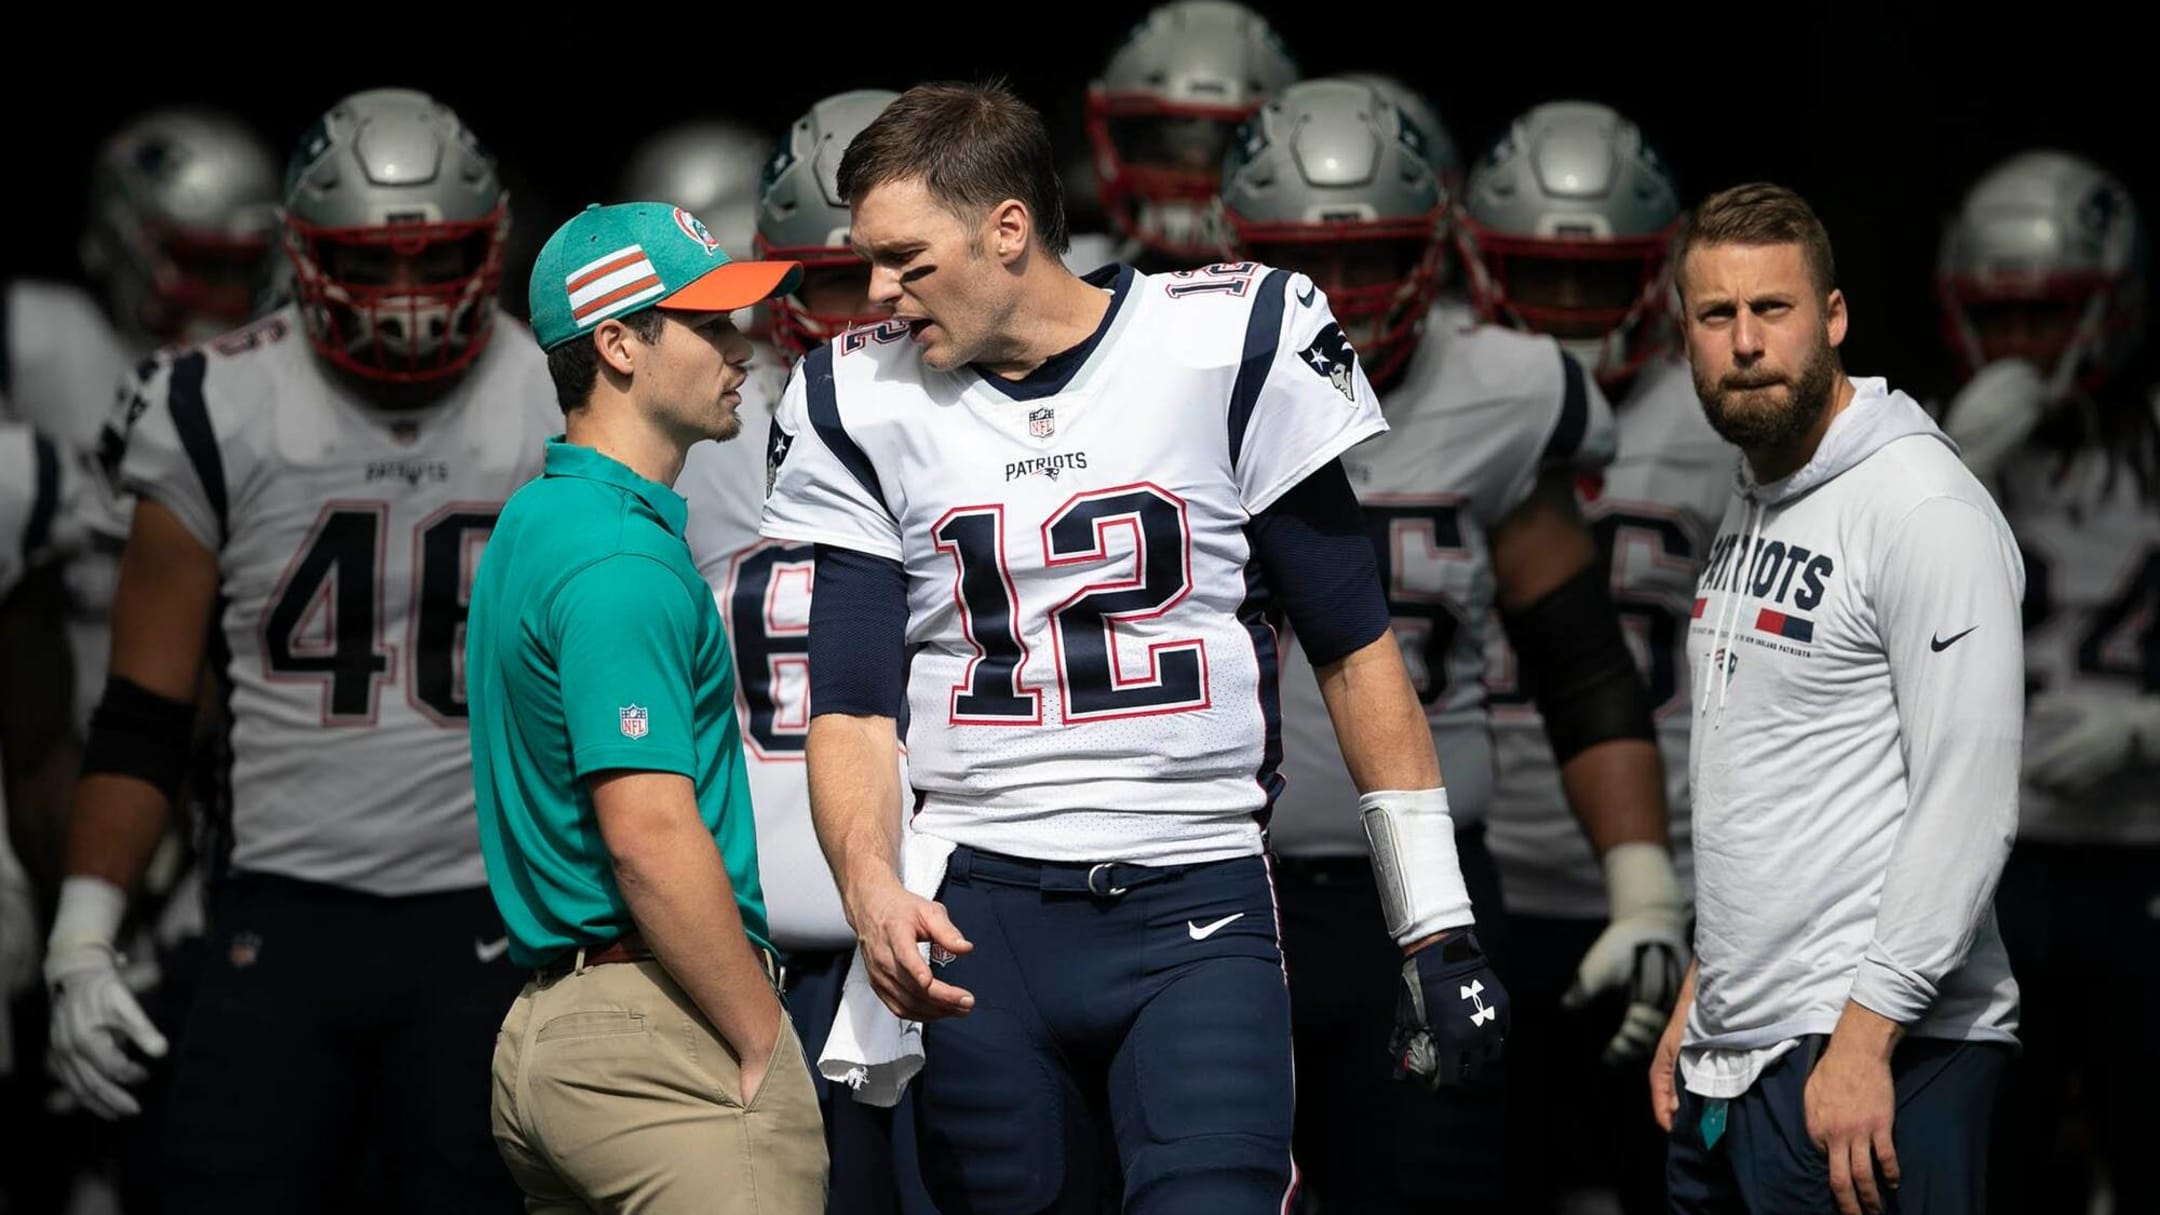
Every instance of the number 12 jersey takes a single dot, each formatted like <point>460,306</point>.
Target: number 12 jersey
<point>1091,667</point>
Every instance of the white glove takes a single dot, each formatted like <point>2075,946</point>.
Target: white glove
<point>1643,951</point>
<point>93,1014</point>
<point>1994,412</point>
<point>2079,739</point>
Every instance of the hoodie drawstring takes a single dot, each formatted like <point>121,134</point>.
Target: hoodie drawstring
<point>1729,616</point>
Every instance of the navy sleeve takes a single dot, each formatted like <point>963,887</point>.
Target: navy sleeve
<point>858,634</point>
<point>1319,563</point>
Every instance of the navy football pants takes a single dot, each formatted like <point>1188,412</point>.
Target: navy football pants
<point>1130,1039</point>
<point>1370,1143</point>
<point>339,1045</point>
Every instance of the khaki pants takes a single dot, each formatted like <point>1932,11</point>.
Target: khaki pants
<point>612,1092</point>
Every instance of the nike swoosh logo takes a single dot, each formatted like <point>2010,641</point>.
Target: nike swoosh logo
<point>1938,645</point>
<point>1200,933</point>
<point>488,951</point>
<point>1304,298</point>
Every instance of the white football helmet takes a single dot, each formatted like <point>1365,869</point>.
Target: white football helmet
<point>801,218</point>
<point>183,205</point>
<point>1330,179</point>
<point>1166,109</point>
<point>2045,261</point>
<point>395,222</point>
<point>1566,228</point>
<point>709,168</point>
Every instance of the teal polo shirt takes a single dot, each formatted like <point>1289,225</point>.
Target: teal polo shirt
<point>593,645</point>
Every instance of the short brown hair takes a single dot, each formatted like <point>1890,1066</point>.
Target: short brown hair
<point>973,146</point>
<point>575,365</point>
<point>1760,214</point>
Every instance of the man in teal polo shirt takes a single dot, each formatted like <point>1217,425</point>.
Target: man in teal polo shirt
<point>648,1062</point>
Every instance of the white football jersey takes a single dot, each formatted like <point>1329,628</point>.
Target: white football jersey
<point>38,489</point>
<point>37,485</point>
<point>763,590</point>
<point>1479,413</point>
<point>2091,540</point>
<point>1092,669</point>
<point>346,537</point>
<point>1654,511</point>
<point>64,359</point>
<point>65,362</point>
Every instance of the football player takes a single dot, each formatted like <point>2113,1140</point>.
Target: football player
<point>1564,232</point>
<point>2042,285</point>
<point>1469,508</point>
<point>181,212</point>
<point>1053,515</point>
<point>1159,119</point>
<point>312,494</point>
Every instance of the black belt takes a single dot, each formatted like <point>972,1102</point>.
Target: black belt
<point>630,947</point>
<point>1103,879</point>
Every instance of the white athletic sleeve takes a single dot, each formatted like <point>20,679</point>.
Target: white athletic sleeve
<point>821,486</point>
<point>1567,426</point>
<point>1946,605</point>
<point>1301,397</point>
<point>167,449</point>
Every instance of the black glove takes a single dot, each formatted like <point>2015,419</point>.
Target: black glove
<point>1451,1017</point>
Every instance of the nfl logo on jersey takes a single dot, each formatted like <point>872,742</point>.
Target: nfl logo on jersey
<point>1042,423</point>
<point>633,721</point>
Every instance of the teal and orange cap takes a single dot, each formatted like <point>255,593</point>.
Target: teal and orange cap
<point>608,261</point>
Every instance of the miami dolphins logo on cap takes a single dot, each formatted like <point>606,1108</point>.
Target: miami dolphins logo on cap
<point>694,228</point>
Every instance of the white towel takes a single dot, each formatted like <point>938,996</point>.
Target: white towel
<point>871,1049</point>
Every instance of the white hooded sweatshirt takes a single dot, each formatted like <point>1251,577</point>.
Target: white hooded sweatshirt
<point>1860,700</point>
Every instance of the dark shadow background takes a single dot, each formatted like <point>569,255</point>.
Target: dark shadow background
<point>1881,118</point>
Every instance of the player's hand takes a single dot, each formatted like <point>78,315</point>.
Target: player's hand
<point>94,1018</point>
<point>893,926</point>
<point>1994,412</point>
<point>1452,1014</point>
<point>2079,740</point>
<point>1850,1104</point>
<point>1665,1070</point>
<point>1643,951</point>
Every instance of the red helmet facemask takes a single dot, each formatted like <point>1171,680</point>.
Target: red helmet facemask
<point>201,280</point>
<point>1619,283</point>
<point>1382,320</point>
<point>796,331</point>
<point>1150,154</point>
<point>2059,320</point>
<point>373,325</point>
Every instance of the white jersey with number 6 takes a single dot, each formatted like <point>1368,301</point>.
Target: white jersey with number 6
<point>763,590</point>
<point>1092,667</point>
<point>1654,512</point>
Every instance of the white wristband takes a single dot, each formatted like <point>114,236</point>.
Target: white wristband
<point>88,915</point>
<point>1639,876</point>
<point>1413,856</point>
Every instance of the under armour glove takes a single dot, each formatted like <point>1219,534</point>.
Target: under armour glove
<point>1451,1017</point>
<point>2076,740</point>
<point>94,1015</point>
<point>1643,951</point>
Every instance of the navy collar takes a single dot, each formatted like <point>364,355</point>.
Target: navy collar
<point>1059,369</point>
